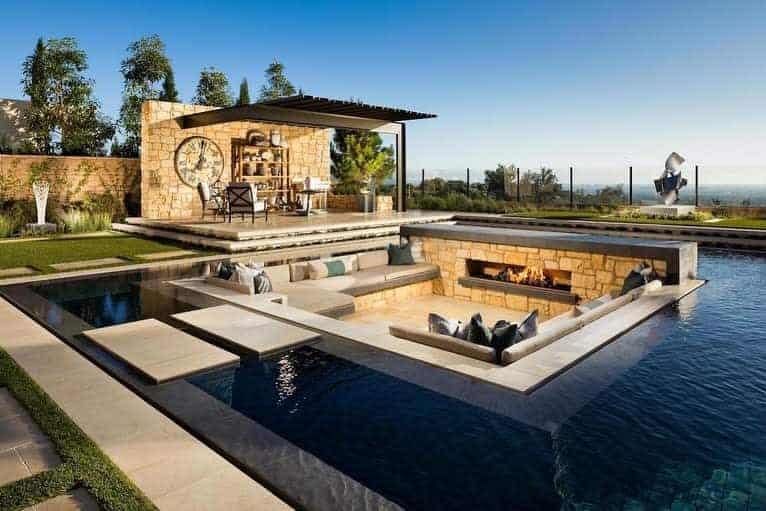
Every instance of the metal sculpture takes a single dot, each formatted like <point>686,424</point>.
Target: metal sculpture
<point>670,182</point>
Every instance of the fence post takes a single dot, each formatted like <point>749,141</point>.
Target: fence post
<point>518,186</point>
<point>696,185</point>
<point>571,188</point>
<point>422,183</point>
<point>630,185</point>
<point>467,182</point>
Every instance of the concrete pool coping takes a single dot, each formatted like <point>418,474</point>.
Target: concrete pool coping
<point>172,468</point>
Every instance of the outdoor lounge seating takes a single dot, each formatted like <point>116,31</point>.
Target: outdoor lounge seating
<point>334,296</point>
<point>242,198</point>
<point>550,331</point>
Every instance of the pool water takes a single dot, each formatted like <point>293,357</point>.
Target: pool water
<point>683,427</point>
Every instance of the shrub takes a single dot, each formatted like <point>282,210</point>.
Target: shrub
<point>77,221</point>
<point>7,225</point>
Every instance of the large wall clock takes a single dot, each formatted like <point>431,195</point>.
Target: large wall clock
<point>199,159</point>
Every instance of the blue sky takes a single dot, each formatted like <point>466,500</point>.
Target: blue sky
<point>597,85</point>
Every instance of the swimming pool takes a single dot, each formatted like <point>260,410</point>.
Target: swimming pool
<point>671,415</point>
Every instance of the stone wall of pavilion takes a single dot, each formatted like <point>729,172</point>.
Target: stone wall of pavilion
<point>164,195</point>
<point>593,274</point>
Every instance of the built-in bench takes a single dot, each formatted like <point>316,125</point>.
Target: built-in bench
<point>334,296</point>
<point>549,332</point>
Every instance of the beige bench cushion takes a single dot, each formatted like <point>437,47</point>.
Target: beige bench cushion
<point>299,271</point>
<point>368,260</point>
<point>398,272</point>
<point>304,295</point>
<point>278,274</point>
<point>230,284</point>
<point>445,342</point>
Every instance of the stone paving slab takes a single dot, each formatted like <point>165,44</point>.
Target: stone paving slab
<point>24,449</point>
<point>150,453</point>
<point>19,271</point>
<point>77,500</point>
<point>76,265</point>
<point>248,331</point>
<point>155,256</point>
<point>159,351</point>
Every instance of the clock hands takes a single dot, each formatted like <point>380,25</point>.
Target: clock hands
<point>201,161</point>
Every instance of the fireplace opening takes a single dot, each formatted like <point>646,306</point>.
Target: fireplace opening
<point>534,276</point>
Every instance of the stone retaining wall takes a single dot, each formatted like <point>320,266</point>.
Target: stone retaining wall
<point>72,178</point>
<point>383,203</point>
<point>393,296</point>
<point>164,195</point>
<point>593,275</point>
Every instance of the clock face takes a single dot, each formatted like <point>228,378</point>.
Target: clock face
<point>199,159</point>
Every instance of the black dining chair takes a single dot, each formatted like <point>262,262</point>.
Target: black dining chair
<point>242,198</point>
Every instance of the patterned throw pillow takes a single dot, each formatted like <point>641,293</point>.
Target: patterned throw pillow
<point>400,256</point>
<point>225,270</point>
<point>527,327</point>
<point>440,325</point>
<point>262,283</point>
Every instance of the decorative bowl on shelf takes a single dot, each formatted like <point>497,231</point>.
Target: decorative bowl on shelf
<point>256,137</point>
<point>267,155</point>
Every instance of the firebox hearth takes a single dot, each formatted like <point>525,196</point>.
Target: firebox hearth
<point>532,281</point>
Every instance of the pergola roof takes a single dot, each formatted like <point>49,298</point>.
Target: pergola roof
<point>307,110</point>
<point>343,107</point>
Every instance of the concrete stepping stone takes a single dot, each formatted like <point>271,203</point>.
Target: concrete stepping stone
<point>154,256</point>
<point>254,333</point>
<point>77,265</point>
<point>20,271</point>
<point>77,500</point>
<point>159,351</point>
<point>24,449</point>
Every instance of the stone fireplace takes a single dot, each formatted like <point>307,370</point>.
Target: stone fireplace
<point>548,271</point>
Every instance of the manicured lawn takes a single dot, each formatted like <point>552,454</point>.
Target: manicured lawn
<point>41,254</point>
<point>83,463</point>
<point>742,223</point>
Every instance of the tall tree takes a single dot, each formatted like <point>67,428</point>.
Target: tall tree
<point>501,181</point>
<point>359,158</point>
<point>36,87</point>
<point>244,93</point>
<point>65,116</point>
<point>169,91</point>
<point>277,84</point>
<point>142,70</point>
<point>212,88</point>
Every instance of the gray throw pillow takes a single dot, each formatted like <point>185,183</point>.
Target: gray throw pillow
<point>503,335</point>
<point>477,332</point>
<point>440,325</point>
<point>400,256</point>
<point>527,327</point>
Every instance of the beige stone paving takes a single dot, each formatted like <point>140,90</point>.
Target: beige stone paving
<point>163,460</point>
<point>76,500</point>
<point>24,449</point>
<point>413,313</point>
<point>249,331</point>
<point>17,272</point>
<point>76,265</point>
<point>159,351</point>
<point>154,256</point>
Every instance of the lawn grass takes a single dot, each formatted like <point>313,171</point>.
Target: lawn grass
<point>42,253</point>
<point>83,463</point>
<point>739,222</point>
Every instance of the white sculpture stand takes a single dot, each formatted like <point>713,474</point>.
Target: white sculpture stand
<point>667,211</point>
<point>40,190</point>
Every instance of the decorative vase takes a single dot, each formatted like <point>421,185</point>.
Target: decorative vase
<point>40,190</point>
<point>276,138</point>
<point>248,169</point>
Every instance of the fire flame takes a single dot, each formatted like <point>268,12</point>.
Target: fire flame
<point>530,275</point>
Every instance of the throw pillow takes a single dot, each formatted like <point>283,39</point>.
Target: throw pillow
<point>637,277</point>
<point>477,332</point>
<point>527,327</point>
<point>225,270</point>
<point>503,335</point>
<point>441,325</point>
<point>400,256</point>
<point>335,268</point>
<point>244,275</point>
<point>262,283</point>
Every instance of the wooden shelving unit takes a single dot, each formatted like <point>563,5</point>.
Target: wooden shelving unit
<point>270,176</point>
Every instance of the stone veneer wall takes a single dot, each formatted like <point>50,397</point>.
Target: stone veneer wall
<point>396,295</point>
<point>383,203</point>
<point>164,195</point>
<point>593,275</point>
<point>72,178</point>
